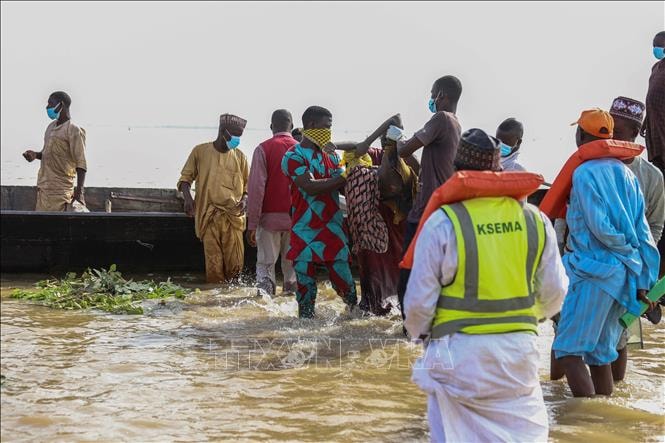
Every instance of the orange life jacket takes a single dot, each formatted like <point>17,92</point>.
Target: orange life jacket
<point>555,201</point>
<point>465,185</point>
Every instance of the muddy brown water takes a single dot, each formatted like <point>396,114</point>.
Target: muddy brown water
<point>226,365</point>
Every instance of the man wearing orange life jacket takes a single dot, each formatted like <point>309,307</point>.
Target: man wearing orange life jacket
<point>627,115</point>
<point>611,261</point>
<point>484,272</point>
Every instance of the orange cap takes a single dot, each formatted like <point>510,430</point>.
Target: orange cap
<point>596,122</point>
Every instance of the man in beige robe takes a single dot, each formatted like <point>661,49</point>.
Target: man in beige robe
<point>221,173</point>
<point>62,158</point>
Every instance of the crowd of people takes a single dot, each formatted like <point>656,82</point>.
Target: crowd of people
<point>486,268</point>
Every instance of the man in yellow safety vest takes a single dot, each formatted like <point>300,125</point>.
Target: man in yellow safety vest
<point>485,271</point>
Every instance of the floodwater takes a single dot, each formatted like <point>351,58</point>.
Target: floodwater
<point>224,364</point>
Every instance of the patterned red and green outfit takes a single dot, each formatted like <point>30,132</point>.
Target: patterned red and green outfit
<point>317,233</point>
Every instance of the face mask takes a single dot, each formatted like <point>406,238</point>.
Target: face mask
<point>505,149</point>
<point>52,114</point>
<point>659,53</point>
<point>432,106</point>
<point>233,143</point>
<point>321,136</point>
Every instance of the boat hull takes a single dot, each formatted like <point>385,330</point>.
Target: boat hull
<point>135,242</point>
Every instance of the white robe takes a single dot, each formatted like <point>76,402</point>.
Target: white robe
<point>480,387</point>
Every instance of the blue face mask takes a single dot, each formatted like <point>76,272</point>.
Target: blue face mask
<point>659,53</point>
<point>233,143</point>
<point>432,105</point>
<point>505,149</point>
<point>52,114</point>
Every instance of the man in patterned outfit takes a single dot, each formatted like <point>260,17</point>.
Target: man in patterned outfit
<point>317,236</point>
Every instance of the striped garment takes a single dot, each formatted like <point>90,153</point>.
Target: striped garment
<point>612,256</point>
<point>367,227</point>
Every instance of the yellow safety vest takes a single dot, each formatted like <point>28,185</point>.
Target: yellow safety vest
<point>499,246</point>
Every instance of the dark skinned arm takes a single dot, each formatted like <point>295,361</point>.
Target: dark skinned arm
<point>363,147</point>
<point>345,146</point>
<point>31,155</point>
<point>80,182</point>
<point>312,186</point>
<point>185,188</point>
<point>408,147</point>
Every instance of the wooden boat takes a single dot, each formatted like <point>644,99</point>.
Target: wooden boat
<point>138,229</point>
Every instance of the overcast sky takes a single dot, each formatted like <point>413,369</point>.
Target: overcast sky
<point>169,63</point>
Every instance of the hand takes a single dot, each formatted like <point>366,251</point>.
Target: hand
<point>190,206</point>
<point>642,296</point>
<point>251,237</point>
<point>396,120</point>
<point>78,195</point>
<point>394,133</point>
<point>330,148</point>
<point>242,204</point>
<point>30,155</point>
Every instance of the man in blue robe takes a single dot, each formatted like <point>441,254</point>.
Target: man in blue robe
<point>611,261</point>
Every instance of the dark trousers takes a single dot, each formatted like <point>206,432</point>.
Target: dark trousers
<point>409,233</point>
<point>660,164</point>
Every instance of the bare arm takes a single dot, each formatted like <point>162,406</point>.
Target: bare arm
<point>30,155</point>
<point>185,188</point>
<point>408,147</point>
<point>80,182</point>
<point>346,146</point>
<point>313,186</point>
<point>363,147</point>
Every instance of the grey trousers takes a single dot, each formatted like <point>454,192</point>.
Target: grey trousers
<point>270,245</point>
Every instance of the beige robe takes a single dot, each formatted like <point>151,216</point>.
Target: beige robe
<point>221,180</point>
<point>63,153</point>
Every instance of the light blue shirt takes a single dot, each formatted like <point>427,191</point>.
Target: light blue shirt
<point>609,238</point>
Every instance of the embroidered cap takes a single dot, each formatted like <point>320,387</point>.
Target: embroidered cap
<point>232,121</point>
<point>478,151</point>
<point>628,108</point>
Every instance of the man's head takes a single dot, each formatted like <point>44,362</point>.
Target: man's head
<point>281,121</point>
<point>593,124</point>
<point>58,102</point>
<point>478,151</point>
<point>510,133</point>
<point>628,115</point>
<point>317,124</point>
<point>659,45</point>
<point>232,124</point>
<point>446,92</point>
<point>231,127</point>
<point>316,117</point>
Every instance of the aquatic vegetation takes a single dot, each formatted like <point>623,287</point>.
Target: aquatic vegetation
<point>102,289</point>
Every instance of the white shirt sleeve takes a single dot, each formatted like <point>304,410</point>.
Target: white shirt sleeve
<point>551,283</point>
<point>434,266</point>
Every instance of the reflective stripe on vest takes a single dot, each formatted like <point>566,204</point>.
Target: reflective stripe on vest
<point>493,289</point>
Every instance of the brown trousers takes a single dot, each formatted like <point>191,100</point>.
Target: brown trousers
<point>224,249</point>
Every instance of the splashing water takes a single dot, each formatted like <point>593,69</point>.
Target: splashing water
<point>226,364</point>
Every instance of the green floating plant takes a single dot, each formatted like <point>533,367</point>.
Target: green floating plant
<point>101,289</point>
